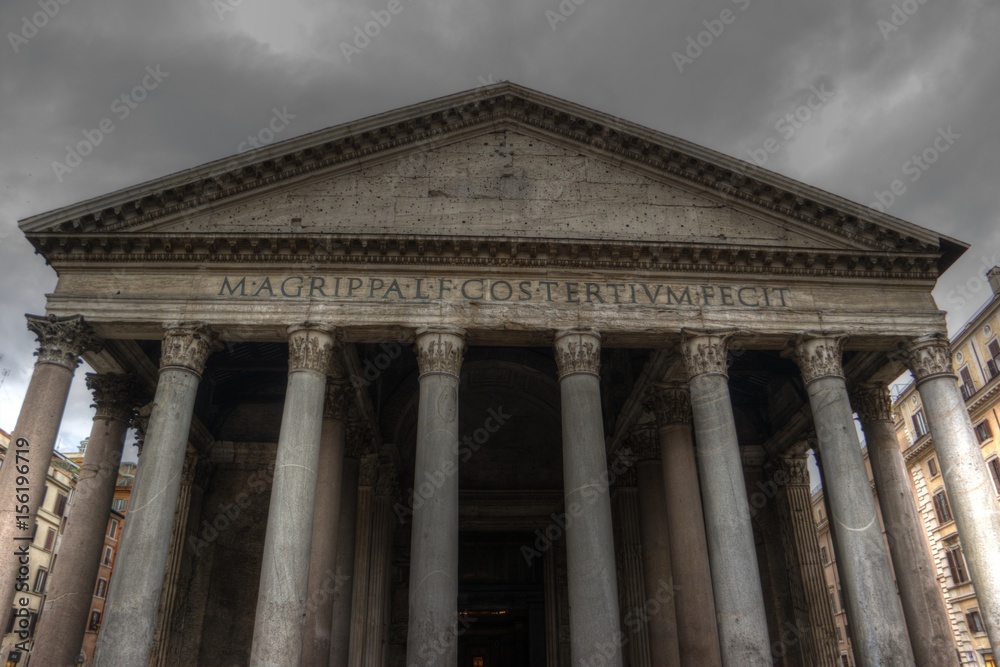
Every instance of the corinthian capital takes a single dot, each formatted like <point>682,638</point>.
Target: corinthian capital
<point>644,443</point>
<point>339,400</point>
<point>187,345</point>
<point>797,469</point>
<point>818,356</point>
<point>670,402</point>
<point>873,402</point>
<point>386,482</point>
<point>440,350</point>
<point>578,351</point>
<point>61,340</point>
<point>357,441</point>
<point>310,348</point>
<point>705,353</point>
<point>116,396</point>
<point>928,357</point>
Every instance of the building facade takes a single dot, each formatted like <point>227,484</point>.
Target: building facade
<point>495,379</point>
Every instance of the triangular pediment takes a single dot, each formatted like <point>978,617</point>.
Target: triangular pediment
<point>498,162</point>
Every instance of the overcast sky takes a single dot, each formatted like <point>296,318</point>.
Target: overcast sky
<point>884,81</point>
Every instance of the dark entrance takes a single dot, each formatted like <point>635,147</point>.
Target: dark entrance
<point>501,602</point>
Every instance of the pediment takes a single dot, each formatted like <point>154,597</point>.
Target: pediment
<point>502,162</point>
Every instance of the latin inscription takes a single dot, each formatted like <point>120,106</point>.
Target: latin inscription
<point>341,288</point>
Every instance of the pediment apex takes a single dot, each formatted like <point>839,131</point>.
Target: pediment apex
<point>485,109</point>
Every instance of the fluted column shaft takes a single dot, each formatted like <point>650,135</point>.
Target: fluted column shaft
<point>362,561</point>
<point>877,626</point>
<point>976,510</point>
<point>281,600</point>
<point>916,576</point>
<point>343,594</point>
<point>61,628</point>
<point>805,543</point>
<point>694,602</point>
<point>739,601</point>
<point>432,639</point>
<point>380,574</point>
<point>631,589</point>
<point>595,634</point>
<point>657,570</point>
<point>126,638</point>
<point>61,341</point>
<point>326,517</point>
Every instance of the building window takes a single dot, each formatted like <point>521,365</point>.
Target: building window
<point>119,504</point>
<point>32,617</point>
<point>919,424</point>
<point>823,556</point>
<point>989,660</point>
<point>994,465</point>
<point>107,556</point>
<point>983,431</point>
<point>41,577</point>
<point>968,388</point>
<point>113,528</point>
<point>833,601</point>
<point>993,363</point>
<point>60,506</point>
<point>932,467</point>
<point>50,539</point>
<point>956,563</point>
<point>102,588</point>
<point>942,507</point>
<point>95,620</point>
<point>975,622</point>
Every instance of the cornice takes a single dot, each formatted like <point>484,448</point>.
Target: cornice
<point>918,449</point>
<point>495,107</point>
<point>408,250</point>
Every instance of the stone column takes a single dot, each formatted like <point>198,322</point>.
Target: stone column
<point>804,545</point>
<point>976,510</point>
<point>340,636</point>
<point>877,627</point>
<point>694,602</point>
<point>628,557</point>
<point>380,573</point>
<point>739,601</point>
<point>171,579</point>
<point>595,633</point>
<point>362,560</point>
<point>61,628</point>
<point>433,621</point>
<point>916,576</point>
<point>126,638</point>
<point>657,570</point>
<point>281,600</point>
<point>326,516</point>
<point>61,341</point>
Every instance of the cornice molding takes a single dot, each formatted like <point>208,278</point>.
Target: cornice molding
<point>501,106</point>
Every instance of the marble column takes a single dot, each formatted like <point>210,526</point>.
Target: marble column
<point>877,627</point>
<point>61,341</point>
<point>973,502</point>
<point>661,618</point>
<point>628,558</point>
<point>61,628</point>
<point>916,576</point>
<point>739,600</point>
<point>804,548</point>
<point>380,574</point>
<point>362,560</point>
<point>595,634</point>
<point>694,602</point>
<point>281,601</point>
<point>433,621</point>
<point>326,517</point>
<point>343,594</point>
<point>126,637</point>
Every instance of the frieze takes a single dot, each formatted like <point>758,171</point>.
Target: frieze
<point>705,353</point>
<point>818,356</point>
<point>116,396</point>
<point>61,340</point>
<point>187,345</point>
<point>928,357</point>
<point>310,348</point>
<point>578,352</point>
<point>670,403</point>
<point>440,350</point>
<point>872,402</point>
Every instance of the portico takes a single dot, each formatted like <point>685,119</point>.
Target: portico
<point>499,366</point>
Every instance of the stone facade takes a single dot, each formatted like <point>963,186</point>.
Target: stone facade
<point>511,285</point>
